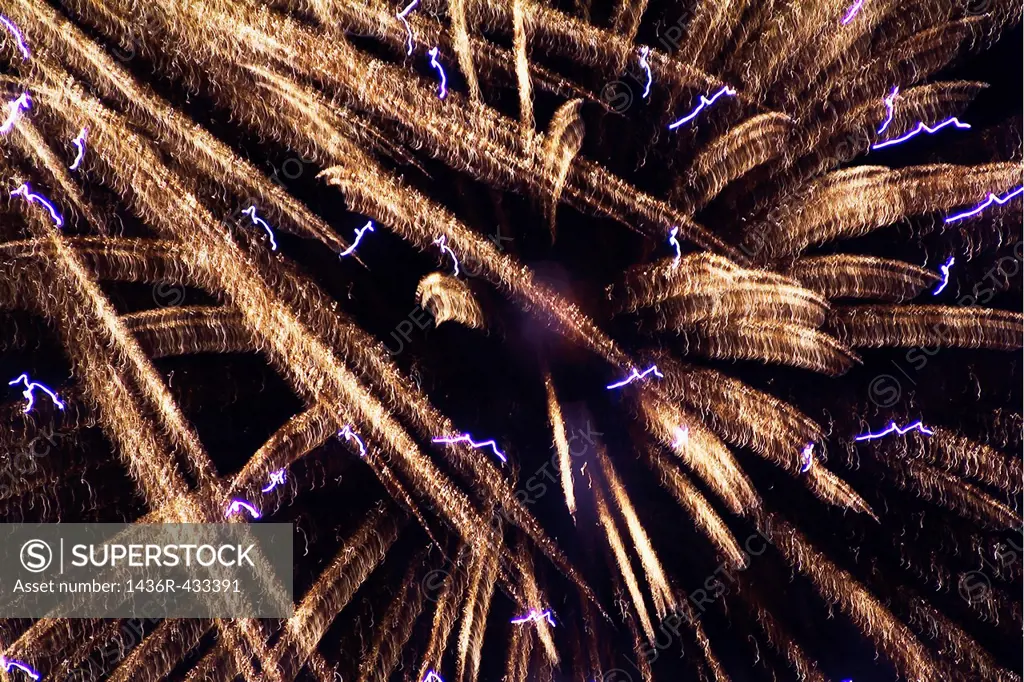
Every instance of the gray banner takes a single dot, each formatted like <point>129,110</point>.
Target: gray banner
<point>110,570</point>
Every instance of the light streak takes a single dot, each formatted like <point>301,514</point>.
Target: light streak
<point>890,106</point>
<point>432,676</point>
<point>922,127</point>
<point>30,197</point>
<point>23,103</point>
<point>9,663</point>
<point>29,392</point>
<point>276,479</point>
<point>892,428</point>
<point>852,12</point>
<point>676,245</point>
<point>807,457</point>
<point>443,89</point>
<point>992,199</point>
<point>79,142</point>
<point>466,438</point>
<point>368,227</point>
<point>944,269</point>
<point>635,375</point>
<point>682,437</point>
<point>251,212</point>
<point>646,66</point>
<point>442,242</point>
<point>348,434</point>
<point>238,505</point>
<point>704,103</point>
<point>402,16</point>
<point>18,37</point>
<point>534,615</point>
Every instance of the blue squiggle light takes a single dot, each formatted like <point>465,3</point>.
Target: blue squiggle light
<point>368,227</point>
<point>276,478</point>
<point>14,109</point>
<point>251,212</point>
<point>442,242</point>
<point>31,197</point>
<point>703,104</point>
<point>922,128</point>
<point>534,615</point>
<point>432,676</point>
<point>890,107</point>
<point>19,39</point>
<point>466,438</point>
<point>10,664</point>
<point>79,142</point>
<point>852,12</point>
<point>348,434</point>
<point>434,53</point>
<point>893,428</point>
<point>944,269</point>
<point>238,505</point>
<point>807,458</point>
<point>636,376</point>
<point>992,199</point>
<point>646,66</point>
<point>403,16</point>
<point>674,241</point>
<point>30,389</point>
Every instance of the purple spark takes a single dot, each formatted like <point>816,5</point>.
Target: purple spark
<point>466,438</point>
<point>921,128</point>
<point>238,505</point>
<point>29,392</point>
<point>682,434</point>
<point>890,106</point>
<point>368,227</point>
<point>635,375</point>
<point>9,663</point>
<point>348,434</point>
<point>26,191</point>
<point>676,245</point>
<point>646,66</point>
<point>432,676</point>
<point>276,479</point>
<point>251,212</point>
<point>18,37</point>
<point>992,199</point>
<point>807,457</point>
<point>402,16</point>
<point>892,428</point>
<point>944,269</point>
<point>534,615</point>
<point>80,143</point>
<point>443,90</point>
<point>704,103</point>
<point>24,102</point>
<point>442,242</point>
<point>852,12</point>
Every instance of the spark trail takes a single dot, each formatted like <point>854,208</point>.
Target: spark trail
<point>992,199</point>
<point>893,428</point>
<point>890,107</point>
<point>260,222</point>
<point>26,192</point>
<point>442,91</point>
<point>238,505</point>
<point>922,128</point>
<point>534,615</point>
<point>673,240</point>
<point>9,664</point>
<point>29,392</point>
<point>636,376</point>
<point>646,66</point>
<point>466,438</point>
<point>368,227</point>
<point>701,106</point>
<point>14,109</point>
<point>403,16</point>
<point>79,143</point>
<point>852,12</point>
<point>944,269</point>
<point>276,478</point>
<point>807,458</point>
<point>442,243</point>
<point>19,39</point>
<point>348,434</point>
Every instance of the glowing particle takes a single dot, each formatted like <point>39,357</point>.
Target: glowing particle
<point>368,227</point>
<point>992,199</point>
<point>944,269</point>
<point>30,197</point>
<point>682,434</point>
<point>9,664</point>
<point>348,434</point>
<point>646,66</point>
<point>238,505</point>
<point>79,142</point>
<point>922,128</point>
<point>534,615</point>
<point>890,107</point>
<point>276,479</point>
<point>466,438</point>
<point>18,37</point>
<point>442,91</point>
<point>29,392</point>
<point>14,108</point>
<point>442,242</point>
<point>256,220</point>
<point>676,245</point>
<point>892,428</point>
<point>807,457</point>
<point>703,104</point>
<point>635,376</point>
<point>432,676</point>
<point>403,17</point>
<point>852,12</point>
